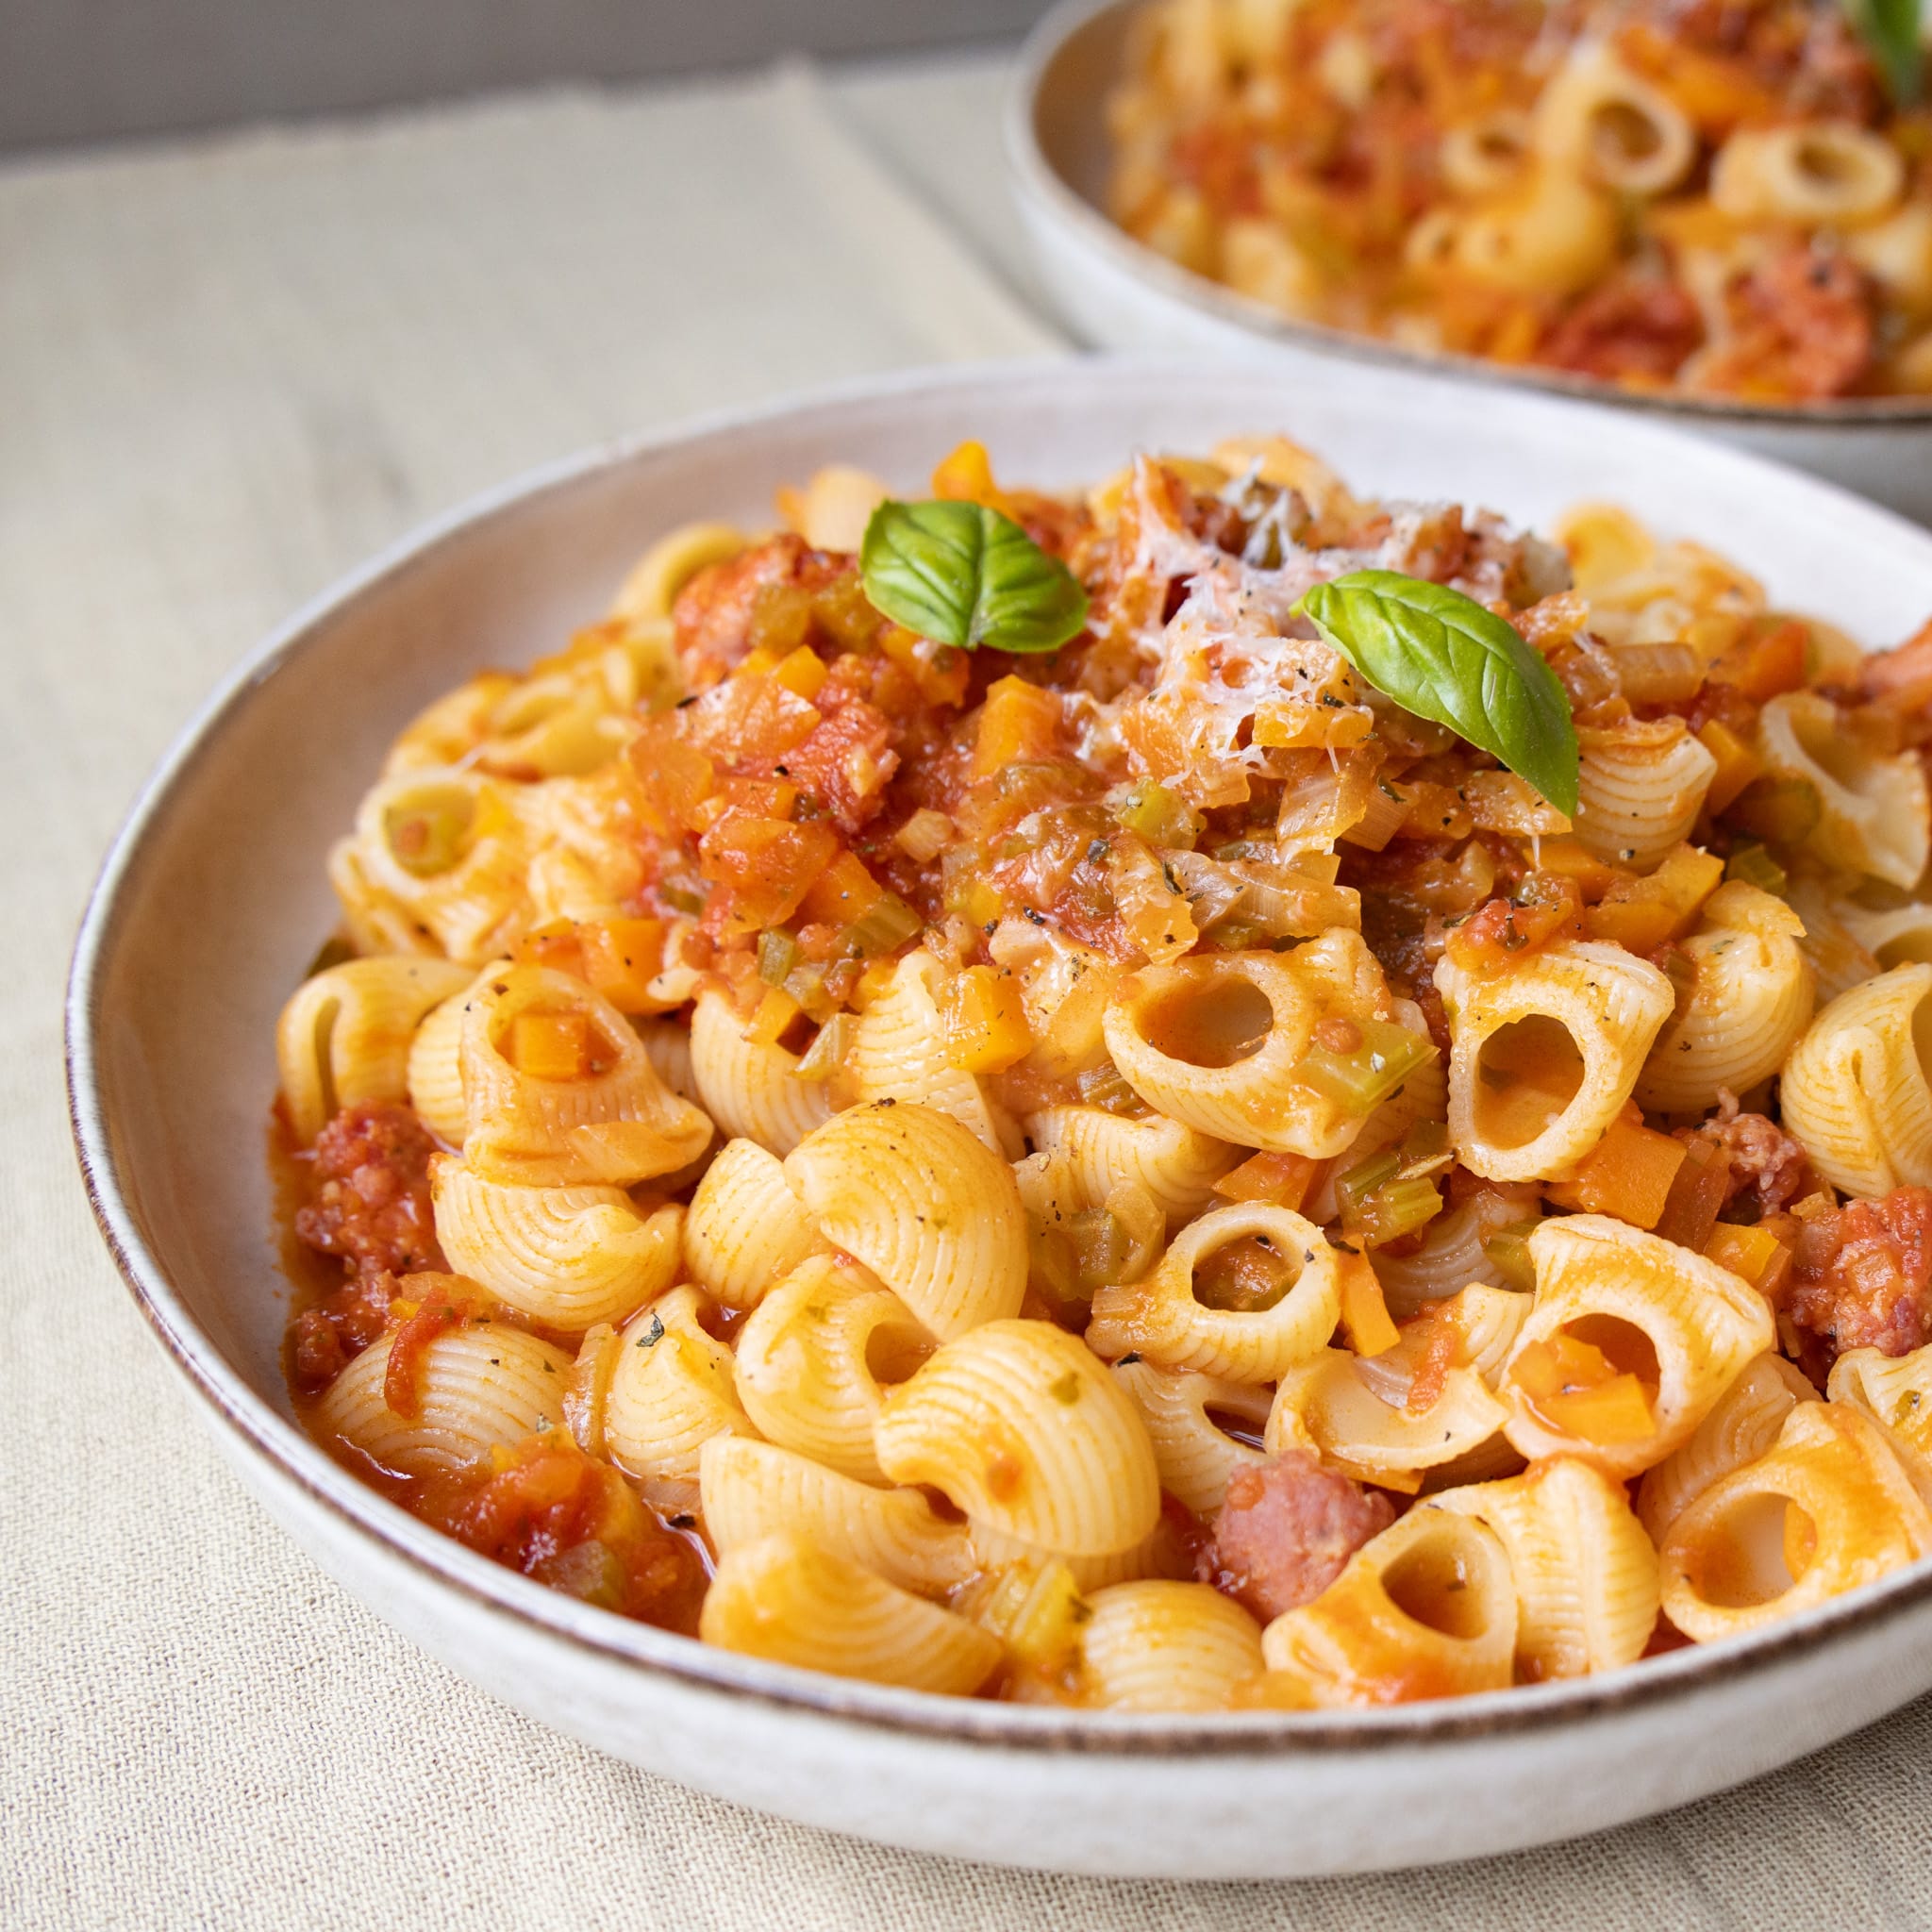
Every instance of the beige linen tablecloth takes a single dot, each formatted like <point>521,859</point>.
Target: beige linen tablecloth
<point>226,373</point>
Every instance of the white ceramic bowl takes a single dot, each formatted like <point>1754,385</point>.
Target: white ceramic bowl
<point>1116,294</point>
<point>213,899</point>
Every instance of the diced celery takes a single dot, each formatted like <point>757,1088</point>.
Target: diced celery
<point>1508,1253</point>
<point>1236,936</point>
<point>1381,1200</point>
<point>1101,1249</point>
<point>1359,1081</point>
<point>1106,1087</point>
<point>1397,1208</point>
<point>1162,817</point>
<point>1355,1187</point>
<point>885,925</point>
<point>778,954</point>
<point>830,1050</point>
<point>1750,862</point>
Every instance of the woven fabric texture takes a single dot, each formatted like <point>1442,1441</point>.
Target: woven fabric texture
<point>226,373</point>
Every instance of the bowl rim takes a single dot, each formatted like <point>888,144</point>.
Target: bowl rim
<point>254,1424</point>
<point>1036,180</point>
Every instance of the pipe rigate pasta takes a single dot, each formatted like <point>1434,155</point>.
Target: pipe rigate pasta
<point>1678,1326</point>
<point>925,1204</point>
<point>346,1036</point>
<point>597,1111</point>
<point>671,1391</point>
<point>1194,1454</point>
<point>1168,1160</point>
<point>816,1356</point>
<point>1584,1572</point>
<point>1217,1042</point>
<point>750,1087</point>
<point>1541,1061</point>
<point>1856,1089</point>
<point>1825,1508</point>
<point>478,1385</point>
<point>1018,1424</point>
<point>568,1258</point>
<point>750,1491</point>
<point>1426,1609</point>
<point>1162,1317</point>
<point>746,1231</point>
<point>784,1599</point>
<point>1159,1645</point>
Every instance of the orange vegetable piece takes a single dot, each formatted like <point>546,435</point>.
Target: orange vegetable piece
<point>1365,1320</point>
<point>621,957</point>
<point>1645,913</point>
<point>843,893</point>
<point>984,1021</point>
<point>1282,1179</point>
<point>1738,764</point>
<point>1754,1253</point>
<point>1575,1388</point>
<point>1628,1172</point>
<point>551,1046</point>
<point>1569,858</point>
<point>1020,724</point>
<point>1765,663</point>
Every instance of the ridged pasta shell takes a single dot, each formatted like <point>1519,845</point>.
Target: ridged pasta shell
<point>782,1598</point>
<point>1597,118</point>
<point>1899,937</point>
<point>1585,1572</point>
<point>1874,811</point>
<point>751,1088</point>
<point>671,1390</point>
<point>900,1054</point>
<point>1609,1003</point>
<point>1023,1429</point>
<point>1194,1454</point>
<point>618,1126</point>
<point>805,1357</point>
<point>1253,1098</point>
<point>1166,1646</point>
<point>1750,998</point>
<point>1702,1321</point>
<point>1896,1393</point>
<point>1725,1563</point>
<point>745,1229</point>
<point>1158,1554</point>
<point>1740,1429</point>
<point>932,1211</point>
<point>667,1046</point>
<point>567,1257</point>
<point>478,1386</point>
<point>655,579</point>
<point>1452,1255</point>
<point>436,1066</point>
<point>1172,1164</point>
<point>1640,788</point>
<point>344,1037</point>
<point>1328,1405</point>
<point>1158,1316</point>
<point>1855,1091</point>
<point>1425,1609</point>
<point>751,1490</point>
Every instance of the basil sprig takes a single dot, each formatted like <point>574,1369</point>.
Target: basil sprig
<point>1441,655</point>
<point>963,574</point>
<point>1890,29</point>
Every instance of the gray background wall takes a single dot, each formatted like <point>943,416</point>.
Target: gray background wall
<point>75,71</point>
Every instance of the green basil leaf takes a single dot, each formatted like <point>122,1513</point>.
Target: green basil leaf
<point>965,576</point>
<point>1441,655</point>
<point>1890,29</point>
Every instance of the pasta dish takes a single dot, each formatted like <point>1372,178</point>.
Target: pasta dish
<point>1727,198</point>
<point>1201,1096</point>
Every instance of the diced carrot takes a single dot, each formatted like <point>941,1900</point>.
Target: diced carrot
<point>551,1046</point>
<point>1754,1253</point>
<point>1627,1173</point>
<point>774,1013</point>
<point>557,945</point>
<point>1019,724</point>
<point>1736,764</point>
<point>1697,1195</point>
<point>1282,1179</point>
<point>1645,913</point>
<point>802,672</point>
<point>984,1021</point>
<point>1569,858</point>
<point>965,475</point>
<point>940,671</point>
<point>1365,1322</point>
<point>843,893</point>
<point>1575,1388</point>
<point>872,983</point>
<point>1766,662</point>
<point>621,957</point>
